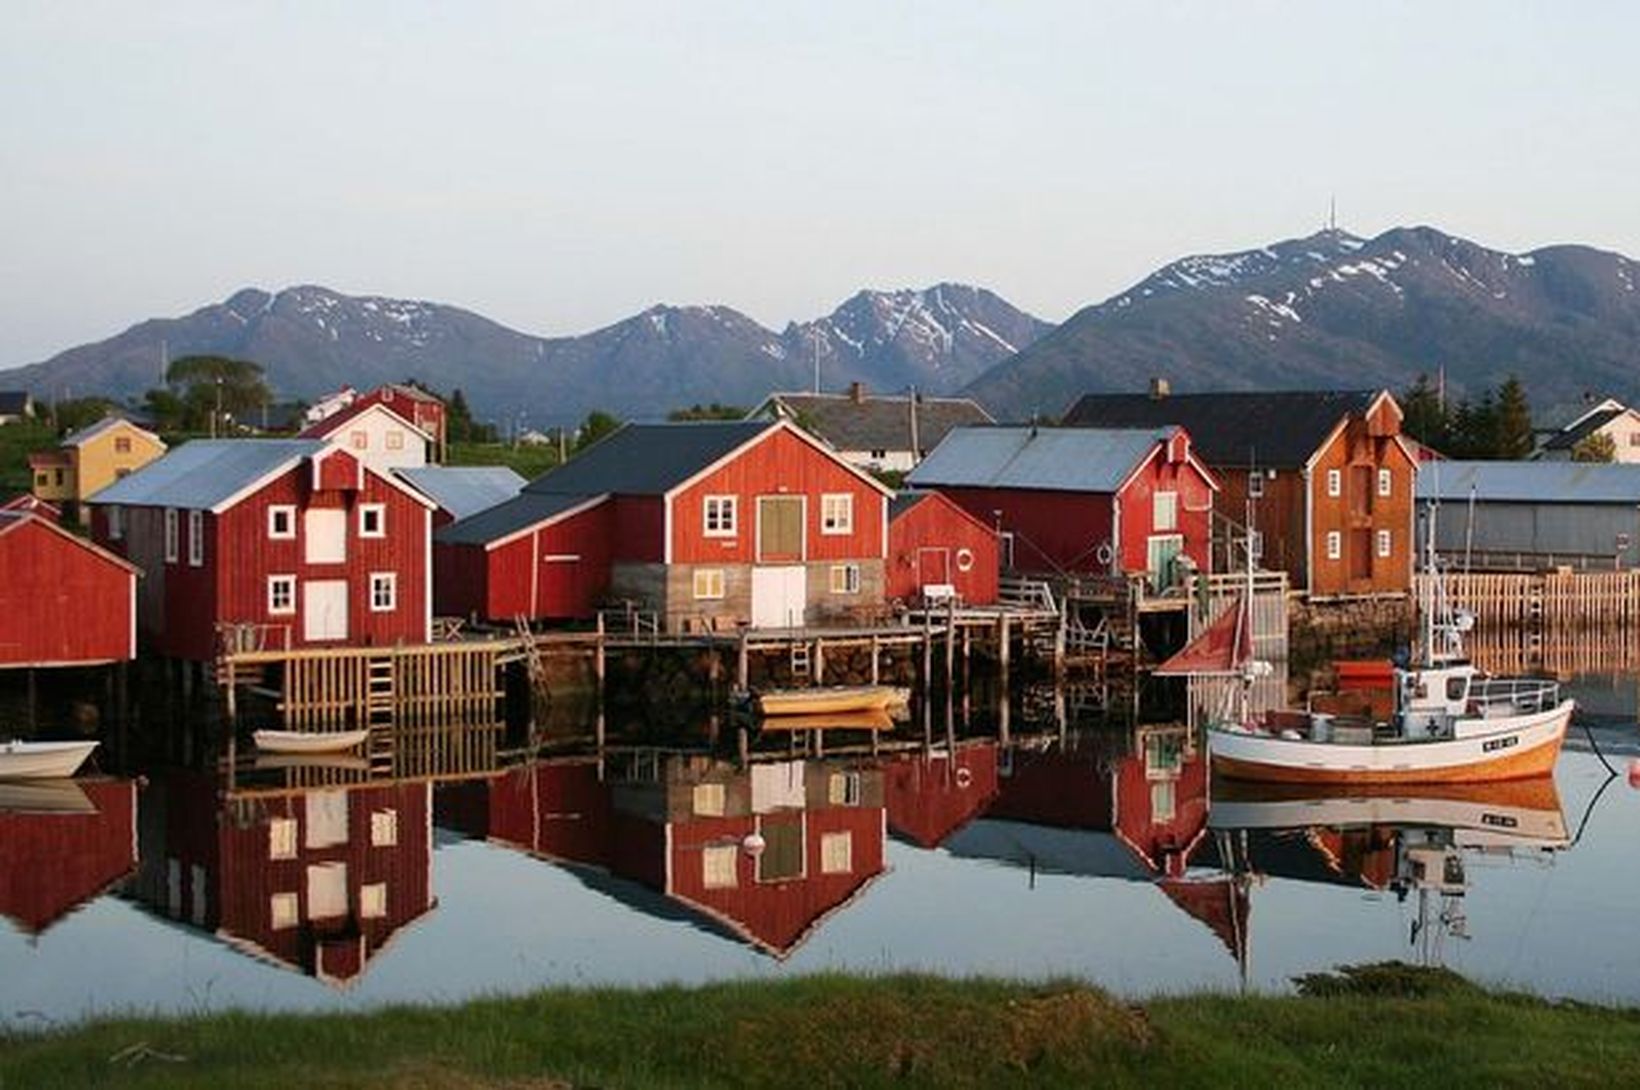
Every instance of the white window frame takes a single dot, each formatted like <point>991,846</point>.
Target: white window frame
<point>1386,483</point>
<point>282,838</point>
<point>275,581</point>
<point>380,511</point>
<point>384,828</point>
<point>373,901</point>
<point>395,440</point>
<point>844,579</point>
<point>1255,485</point>
<point>170,535</point>
<point>389,580</point>
<point>1335,545</point>
<point>720,516</point>
<point>359,439</point>
<point>1335,483</point>
<point>1164,504</point>
<point>708,584</point>
<point>836,513</point>
<point>1386,544</point>
<point>116,529</point>
<point>720,866</point>
<point>837,852</point>
<point>284,911</point>
<point>288,510</point>
<point>196,538</point>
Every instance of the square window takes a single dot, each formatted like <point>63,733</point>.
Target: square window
<point>283,911</point>
<point>1386,483</point>
<point>708,583</point>
<point>282,838</point>
<point>836,853</point>
<point>281,594</point>
<point>837,513</point>
<point>395,440</point>
<point>843,789</point>
<point>1335,544</point>
<point>373,901</point>
<point>282,522</point>
<point>122,445</point>
<point>1255,484</point>
<point>170,535</point>
<point>709,799</point>
<point>717,864</point>
<point>720,516</point>
<point>1384,543</point>
<point>360,440</point>
<point>1335,482</point>
<point>196,538</point>
<point>372,520</point>
<point>1165,511</point>
<point>845,579</point>
<point>384,828</point>
<point>384,591</point>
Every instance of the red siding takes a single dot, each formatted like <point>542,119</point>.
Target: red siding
<point>1194,508</point>
<point>60,601</point>
<point>1161,842</point>
<point>1052,531</point>
<point>497,584</point>
<point>51,863</point>
<point>929,797</point>
<point>338,471</point>
<point>640,529</point>
<point>930,536</point>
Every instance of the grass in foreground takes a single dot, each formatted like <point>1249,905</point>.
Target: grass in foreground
<point>1375,1026</point>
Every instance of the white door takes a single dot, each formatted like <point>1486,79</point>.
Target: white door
<point>780,596</point>
<point>325,532</point>
<point>324,609</point>
<point>327,891</point>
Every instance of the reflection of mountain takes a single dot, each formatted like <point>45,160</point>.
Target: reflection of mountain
<point>767,852</point>
<point>61,844</point>
<point>318,880</point>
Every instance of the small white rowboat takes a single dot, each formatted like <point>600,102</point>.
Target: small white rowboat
<point>42,760</point>
<point>297,741</point>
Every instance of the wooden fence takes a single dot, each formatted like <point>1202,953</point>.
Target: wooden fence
<point>1557,601</point>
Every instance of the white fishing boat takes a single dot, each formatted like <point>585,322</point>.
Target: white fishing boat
<point>42,760</point>
<point>309,742</point>
<point>1452,722</point>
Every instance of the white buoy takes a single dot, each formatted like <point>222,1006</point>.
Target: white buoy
<point>754,844</point>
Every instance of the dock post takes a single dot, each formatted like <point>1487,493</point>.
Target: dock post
<point>1003,651</point>
<point>743,746</point>
<point>928,650</point>
<point>876,668</point>
<point>231,696</point>
<point>598,659</point>
<point>950,651</point>
<point>819,662</point>
<point>742,665</point>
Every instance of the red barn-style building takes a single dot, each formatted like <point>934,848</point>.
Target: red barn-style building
<point>73,841</point>
<point>707,524</point>
<point>932,542</point>
<point>63,600</point>
<point>29,503</point>
<point>1082,500</point>
<point>271,543</point>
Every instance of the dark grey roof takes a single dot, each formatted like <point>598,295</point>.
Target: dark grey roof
<point>14,402</point>
<point>879,422</point>
<point>1531,482</point>
<point>903,502</point>
<point>648,459</point>
<point>1573,434</point>
<point>519,513</point>
<point>1279,430</point>
<point>1057,459</point>
<point>463,490</point>
<point>203,473</point>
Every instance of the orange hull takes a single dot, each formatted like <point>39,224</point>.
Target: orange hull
<point>1534,762</point>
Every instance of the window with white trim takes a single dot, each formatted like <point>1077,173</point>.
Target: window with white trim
<point>281,594</point>
<point>373,901</point>
<point>170,535</point>
<point>717,866</point>
<point>709,799</point>
<point>1385,543</point>
<point>845,579</point>
<point>384,828</point>
<point>1255,485</point>
<point>395,440</point>
<point>196,538</point>
<point>115,529</point>
<point>719,515</point>
<point>1335,482</point>
<point>384,591</point>
<point>360,440</point>
<point>1335,544</point>
<point>282,838</point>
<point>283,911</point>
<point>1164,511</point>
<point>837,853</point>
<point>1386,483</point>
<point>708,583</point>
<point>372,520</point>
<point>282,522</point>
<point>837,513</point>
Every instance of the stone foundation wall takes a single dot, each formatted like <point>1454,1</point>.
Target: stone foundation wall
<point>1320,632</point>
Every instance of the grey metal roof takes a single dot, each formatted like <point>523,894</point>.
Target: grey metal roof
<point>1530,482</point>
<point>877,422</point>
<point>1061,459</point>
<point>648,459</point>
<point>202,473</point>
<point>463,490</point>
<point>510,516</point>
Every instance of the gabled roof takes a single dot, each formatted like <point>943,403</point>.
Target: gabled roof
<point>1531,482</point>
<point>463,490</point>
<point>501,523</point>
<point>204,472</point>
<point>333,423</point>
<point>400,389</point>
<point>1587,425</point>
<point>908,500</point>
<point>1056,459</point>
<point>1278,429</point>
<point>876,422</point>
<point>101,427</point>
<point>27,501</point>
<point>11,520</point>
<point>15,402</point>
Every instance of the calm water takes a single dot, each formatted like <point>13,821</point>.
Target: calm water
<point>1105,854</point>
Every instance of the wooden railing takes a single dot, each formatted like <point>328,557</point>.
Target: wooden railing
<point>1548,601</point>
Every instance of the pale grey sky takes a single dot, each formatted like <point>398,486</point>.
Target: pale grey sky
<point>560,166</point>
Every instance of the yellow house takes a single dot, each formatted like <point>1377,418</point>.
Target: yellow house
<point>91,459</point>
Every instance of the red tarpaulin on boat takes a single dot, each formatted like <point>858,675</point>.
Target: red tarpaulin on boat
<point>1222,648</point>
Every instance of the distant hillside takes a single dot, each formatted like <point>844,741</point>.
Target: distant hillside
<point>313,340</point>
<point>1334,310</point>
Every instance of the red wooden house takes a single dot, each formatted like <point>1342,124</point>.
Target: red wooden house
<point>63,600</point>
<point>318,880</point>
<point>1082,500</point>
<point>706,524</point>
<point>426,411</point>
<point>72,842</point>
<point>932,542</point>
<point>29,503</point>
<point>271,542</point>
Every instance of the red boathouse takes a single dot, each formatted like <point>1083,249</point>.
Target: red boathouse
<point>63,600</point>
<point>933,543</point>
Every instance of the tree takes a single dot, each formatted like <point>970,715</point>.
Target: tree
<point>1512,437</point>
<point>714,411</point>
<point>597,425</point>
<point>1595,447</point>
<point>76,413</point>
<point>1424,415</point>
<point>216,389</point>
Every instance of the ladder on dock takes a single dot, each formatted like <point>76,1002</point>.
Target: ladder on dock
<point>380,702</point>
<point>802,665</point>
<point>533,662</point>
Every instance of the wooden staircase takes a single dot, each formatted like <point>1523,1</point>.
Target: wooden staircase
<point>380,699</point>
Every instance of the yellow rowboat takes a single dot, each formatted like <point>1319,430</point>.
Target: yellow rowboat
<point>832,700</point>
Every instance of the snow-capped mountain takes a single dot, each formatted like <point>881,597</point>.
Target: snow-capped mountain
<point>1337,310</point>
<point>312,340</point>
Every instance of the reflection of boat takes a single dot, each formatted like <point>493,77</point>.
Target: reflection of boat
<point>44,797</point>
<point>873,720</point>
<point>345,762</point>
<point>296,741</point>
<point>42,760</point>
<point>831,699</point>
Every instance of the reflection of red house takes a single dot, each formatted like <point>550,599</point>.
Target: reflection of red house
<point>929,796</point>
<point>319,880</point>
<point>61,845</point>
<point>559,810</point>
<point>63,600</point>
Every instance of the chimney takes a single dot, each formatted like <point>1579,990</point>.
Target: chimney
<point>1159,388</point>
<point>857,392</point>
